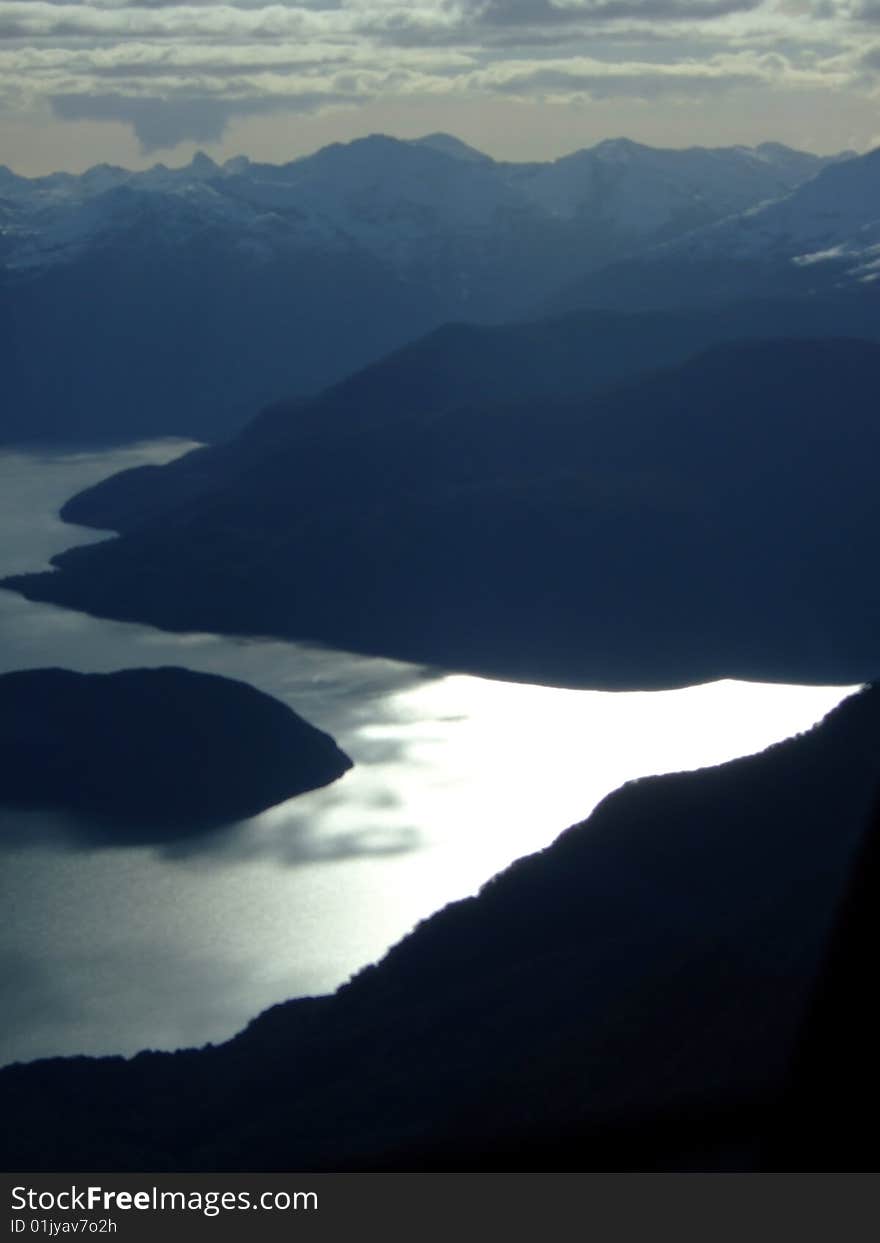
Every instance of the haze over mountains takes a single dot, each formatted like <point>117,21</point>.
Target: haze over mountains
<point>709,520</point>
<point>484,499</point>
<point>823,236</point>
<point>660,469</point>
<point>615,498</point>
<point>181,301</point>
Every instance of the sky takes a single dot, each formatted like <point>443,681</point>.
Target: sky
<point>135,82</point>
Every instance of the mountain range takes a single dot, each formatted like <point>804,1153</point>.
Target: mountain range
<point>180,301</point>
<point>660,470</point>
<point>823,236</point>
<point>711,519</point>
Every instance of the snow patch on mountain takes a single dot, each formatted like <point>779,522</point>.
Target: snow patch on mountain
<point>433,200</point>
<point>832,218</point>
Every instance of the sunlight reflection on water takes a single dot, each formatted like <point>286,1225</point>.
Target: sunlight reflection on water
<point>111,950</point>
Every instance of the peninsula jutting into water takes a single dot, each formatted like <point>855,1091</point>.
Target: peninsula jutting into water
<point>147,755</point>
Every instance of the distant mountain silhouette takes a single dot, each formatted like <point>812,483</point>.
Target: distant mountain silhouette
<point>714,519</point>
<point>148,755</point>
<point>214,290</point>
<point>629,998</point>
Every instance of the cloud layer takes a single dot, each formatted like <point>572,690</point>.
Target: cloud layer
<point>177,73</point>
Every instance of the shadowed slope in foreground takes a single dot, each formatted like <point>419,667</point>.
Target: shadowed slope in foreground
<point>627,998</point>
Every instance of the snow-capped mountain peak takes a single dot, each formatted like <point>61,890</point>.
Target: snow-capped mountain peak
<point>432,200</point>
<point>833,215</point>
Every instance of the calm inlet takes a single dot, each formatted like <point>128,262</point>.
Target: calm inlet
<point>111,949</point>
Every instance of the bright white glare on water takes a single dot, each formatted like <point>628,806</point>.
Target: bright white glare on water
<point>112,950</point>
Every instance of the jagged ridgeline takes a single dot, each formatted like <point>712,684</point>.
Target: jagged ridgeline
<point>632,997</point>
<point>211,291</point>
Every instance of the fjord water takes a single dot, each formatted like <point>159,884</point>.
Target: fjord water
<point>110,950</point>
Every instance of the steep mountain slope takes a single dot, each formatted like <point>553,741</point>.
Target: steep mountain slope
<point>561,357</point>
<point>181,300</point>
<point>629,998</point>
<point>710,520</point>
<point>823,235</point>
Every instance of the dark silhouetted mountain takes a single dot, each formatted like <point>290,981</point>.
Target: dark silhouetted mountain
<point>565,356</point>
<point>148,755</point>
<point>628,998</point>
<point>711,520</point>
<point>824,235</point>
<point>827,1115</point>
<point>179,301</point>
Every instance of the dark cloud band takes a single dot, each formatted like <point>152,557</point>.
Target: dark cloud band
<point>160,123</point>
